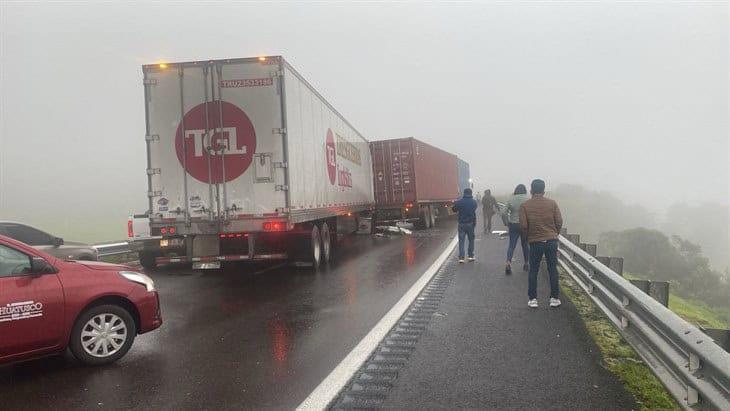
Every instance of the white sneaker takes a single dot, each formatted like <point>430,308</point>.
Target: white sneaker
<point>472,259</point>
<point>461,261</point>
<point>555,302</point>
<point>532,303</point>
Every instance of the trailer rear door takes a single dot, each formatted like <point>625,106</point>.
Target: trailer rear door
<point>214,138</point>
<point>393,172</point>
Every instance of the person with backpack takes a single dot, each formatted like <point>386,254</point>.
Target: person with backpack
<point>466,207</point>
<point>511,212</point>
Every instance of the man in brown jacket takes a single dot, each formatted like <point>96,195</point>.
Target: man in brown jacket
<point>540,219</point>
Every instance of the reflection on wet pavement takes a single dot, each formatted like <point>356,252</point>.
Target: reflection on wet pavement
<point>252,336</point>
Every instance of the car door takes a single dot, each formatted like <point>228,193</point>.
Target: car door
<point>31,307</point>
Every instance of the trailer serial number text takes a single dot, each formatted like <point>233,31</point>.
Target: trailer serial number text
<point>247,82</point>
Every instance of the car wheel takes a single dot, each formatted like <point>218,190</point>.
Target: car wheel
<point>102,334</point>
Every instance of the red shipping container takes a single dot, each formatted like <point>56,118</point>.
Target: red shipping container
<point>407,170</point>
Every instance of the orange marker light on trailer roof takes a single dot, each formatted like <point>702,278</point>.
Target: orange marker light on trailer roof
<point>262,58</point>
<point>163,65</point>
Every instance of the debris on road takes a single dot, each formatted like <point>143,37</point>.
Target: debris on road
<point>383,230</point>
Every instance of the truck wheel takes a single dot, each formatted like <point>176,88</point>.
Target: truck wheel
<point>326,243</point>
<point>315,249</point>
<point>425,220</point>
<point>147,260</point>
<point>102,334</point>
<point>432,213</point>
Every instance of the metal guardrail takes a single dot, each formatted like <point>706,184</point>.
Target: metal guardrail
<point>104,250</point>
<point>694,369</point>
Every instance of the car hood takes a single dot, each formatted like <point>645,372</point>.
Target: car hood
<point>101,266</point>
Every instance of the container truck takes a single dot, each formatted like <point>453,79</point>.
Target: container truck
<point>246,161</point>
<point>464,175</point>
<point>413,181</point>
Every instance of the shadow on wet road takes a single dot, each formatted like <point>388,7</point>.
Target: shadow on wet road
<point>250,336</point>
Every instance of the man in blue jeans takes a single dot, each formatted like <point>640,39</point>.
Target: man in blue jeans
<point>541,221</point>
<point>467,209</point>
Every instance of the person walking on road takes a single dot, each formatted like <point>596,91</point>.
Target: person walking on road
<point>466,207</point>
<point>489,208</point>
<point>511,212</point>
<point>540,219</point>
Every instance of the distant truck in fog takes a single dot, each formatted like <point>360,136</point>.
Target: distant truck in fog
<point>246,161</point>
<point>414,181</point>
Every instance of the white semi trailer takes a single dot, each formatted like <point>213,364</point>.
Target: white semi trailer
<point>246,161</point>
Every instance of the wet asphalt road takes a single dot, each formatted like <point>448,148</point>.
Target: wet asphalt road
<point>252,337</point>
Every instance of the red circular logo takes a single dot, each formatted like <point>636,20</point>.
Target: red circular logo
<point>236,139</point>
<point>331,155</point>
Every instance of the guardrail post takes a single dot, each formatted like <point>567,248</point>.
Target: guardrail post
<point>616,264</point>
<point>719,335</point>
<point>658,290</point>
<point>573,238</point>
<point>591,249</point>
<point>564,232</point>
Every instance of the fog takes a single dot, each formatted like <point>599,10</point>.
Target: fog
<point>627,98</point>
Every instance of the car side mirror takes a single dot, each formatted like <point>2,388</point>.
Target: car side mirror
<point>40,266</point>
<point>57,241</point>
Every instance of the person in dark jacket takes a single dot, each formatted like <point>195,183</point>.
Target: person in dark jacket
<point>489,208</point>
<point>467,209</point>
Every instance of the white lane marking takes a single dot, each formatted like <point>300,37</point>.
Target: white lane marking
<point>326,391</point>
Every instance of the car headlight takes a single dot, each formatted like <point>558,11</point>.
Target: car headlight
<point>139,278</point>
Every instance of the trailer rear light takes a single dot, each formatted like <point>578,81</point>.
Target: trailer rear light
<point>163,230</point>
<point>233,235</point>
<point>274,226</point>
<point>171,230</point>
<point>130,228</point>
<point>409,205</point>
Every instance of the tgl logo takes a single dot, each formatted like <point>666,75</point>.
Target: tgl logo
<point>228,142</point>
<point>236,140</point>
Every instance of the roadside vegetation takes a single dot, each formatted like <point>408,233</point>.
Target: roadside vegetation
<point>618,356</point>
<point>120,258</point>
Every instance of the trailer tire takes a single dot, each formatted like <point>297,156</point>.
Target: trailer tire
<point>425,218</point>
<point>326,243</point>
<point>315,247</point>
<point>147,260</point>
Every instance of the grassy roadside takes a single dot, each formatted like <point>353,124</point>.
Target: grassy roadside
<point>120,258</point>
<point>618,356</point>
<point>693,311</point>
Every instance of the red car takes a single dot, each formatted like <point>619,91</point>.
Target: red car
<point>46,305</point>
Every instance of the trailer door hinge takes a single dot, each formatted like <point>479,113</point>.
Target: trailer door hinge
<point>154,193</point>
<point>283,210</point>
<point>149,82</point>
<point>153,171</point>
<point>280,187</point>
<point>278,131</point>
<point>280,164</point>
<point>153,137</point>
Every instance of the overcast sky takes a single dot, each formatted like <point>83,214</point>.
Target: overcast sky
<point>631,98</point>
